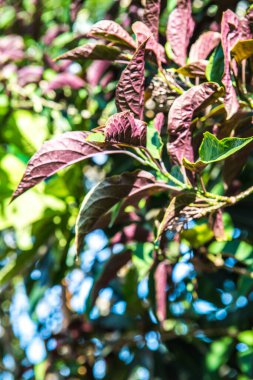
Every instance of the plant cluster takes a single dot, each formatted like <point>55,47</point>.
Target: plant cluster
<point>181,116</point>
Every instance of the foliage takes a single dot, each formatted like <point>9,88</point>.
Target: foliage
<point>130,257</point>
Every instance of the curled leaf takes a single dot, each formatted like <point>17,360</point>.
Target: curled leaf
<point>124,128</point>
<point>130,89</point>
<point>180,117</point>
<point>151,16</point>
<point>179,31</point>
<point>111,31</point>
<point>92,51</point>
<point>204,45</point>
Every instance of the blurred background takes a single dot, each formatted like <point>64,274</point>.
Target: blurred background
<point>48,326</point>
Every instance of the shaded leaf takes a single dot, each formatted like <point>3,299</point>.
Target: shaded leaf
<point>242,50</point>
<point>230,34</point>
<point>124,128</point>
<point>174,219</point>
<point>204,45</point>
<point>180,117</point>
<point>214,150</point>
<point>235,163</point>
<point>111,31</point>
<point>179,31</point>
<point>133,232</point>
<point>217,225</point>
<point>105,195</point>
<point>92,51</point>
<point>108,273</point>
<point>215,66</point>
<point>130,88</point>
<point>151,16</point>
<point>194,69</point>
<point>154,142</point>
<point>143,258</point>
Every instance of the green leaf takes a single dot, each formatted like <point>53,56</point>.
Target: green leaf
<point>96,137</point>
<point>246,337</point>
<point>40,370</point>
<point>242,50</point>
<point>154,142</point>
<point>215,66</point>
<point>143,258</point>
<point>198,236</point>
<point>218,354</point>
<point>214,150</point>
<point>245,362</point>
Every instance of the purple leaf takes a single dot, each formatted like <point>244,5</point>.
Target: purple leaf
<point>130,89</point>
<point>230,34</point>
<point>159,121</point>
<point>129,188</point>
<point>75,7</point>
<point>151,16</point>
<point>65,79</point>
<point>111,31</point>
<point>95,71</point>
<point>108,193</point>
<point>109,272</point>
<point>92,51</point>
<point>143,33</point>
<point>180,118</point>
<point>11,48</point>
<point>179,30</point>
<point>29,74</point>
<point>205,44</point>
<point>54,155</point>
<point>216,224</point>
<point>53,32</point>
<point>124,128</point>
<point>160,276</point>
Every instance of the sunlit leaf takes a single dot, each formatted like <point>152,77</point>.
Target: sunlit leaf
<point>214,150</point>
<point>130,88</point>
<point>112,31</point>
